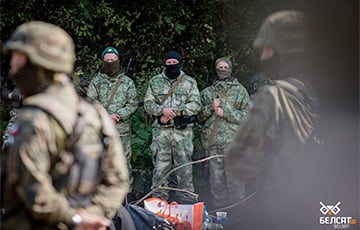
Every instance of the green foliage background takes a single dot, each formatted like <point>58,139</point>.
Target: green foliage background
<point>143,31</point>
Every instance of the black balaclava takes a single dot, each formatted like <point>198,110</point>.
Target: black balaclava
<point>31,79</point>
<point>112,68</point>
<point>173,71</point>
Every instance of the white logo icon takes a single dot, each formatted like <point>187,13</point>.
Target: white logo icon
<point>330,209</point>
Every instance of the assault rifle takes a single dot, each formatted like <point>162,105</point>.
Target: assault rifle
<point>207,77</point>
<point>128,66</point>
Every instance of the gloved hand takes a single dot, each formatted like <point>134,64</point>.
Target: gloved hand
<point>17,95</point>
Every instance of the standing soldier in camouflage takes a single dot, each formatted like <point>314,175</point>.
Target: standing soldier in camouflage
<point>271,145</point>
<point>173,99</point>
<point>65,167</point>
<point>116,92</point>
<point>224,107</point>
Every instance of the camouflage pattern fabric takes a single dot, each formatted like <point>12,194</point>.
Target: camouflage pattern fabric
<point>239,98</point>
<point>13,114</point>
<point>172,147</point>
<point>222,186</point>
<point>185,98</point>
<point>283,116</point>
<point>124,103</point>
<point>126,143</point>
<point>38,161</point>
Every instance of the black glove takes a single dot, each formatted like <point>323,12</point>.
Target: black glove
<point>16,95</point>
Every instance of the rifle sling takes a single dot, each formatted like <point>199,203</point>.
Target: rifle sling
<point>172,89</point>
<point>213,132</point>
<point>114,91</point>
<point>212,135</point>
<point>227,100</point>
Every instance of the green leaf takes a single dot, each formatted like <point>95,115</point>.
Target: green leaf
<point>167,19</point>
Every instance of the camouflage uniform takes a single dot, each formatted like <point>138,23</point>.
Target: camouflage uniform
<point>64,153</point>
<point>223,187</point>
<point>16,103</point>
<point>282,111</point>
<point>13,115</point>
<point>172,146</point>
<point>272,145</point>
<point>124,103</point>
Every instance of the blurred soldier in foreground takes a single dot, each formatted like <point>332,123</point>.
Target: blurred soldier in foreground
<point>270,145</point>
<point>65,167</point>
<point>174,99</point>
<point>224,108</point>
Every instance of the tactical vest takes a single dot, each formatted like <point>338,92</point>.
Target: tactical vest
<point>77,173</point>
<point>296,103</point>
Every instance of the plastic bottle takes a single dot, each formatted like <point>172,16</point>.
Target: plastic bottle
<point>207,223</point>
<point>206,220</point>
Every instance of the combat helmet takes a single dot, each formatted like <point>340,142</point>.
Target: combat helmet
<point>284,31</point>
<point>45,44</point>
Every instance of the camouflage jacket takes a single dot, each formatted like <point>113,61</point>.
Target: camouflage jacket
<point>234,105</point>
<point>282,120</point>
<point>124,103</point>
<point>185,98</point>
<point>39,160</point>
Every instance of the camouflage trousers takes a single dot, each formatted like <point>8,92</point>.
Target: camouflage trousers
<point>172,147</point>
<point>126,143</point>
<point>13,114</point>
<point>224,188</point>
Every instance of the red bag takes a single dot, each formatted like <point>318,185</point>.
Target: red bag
<point>183,216</point>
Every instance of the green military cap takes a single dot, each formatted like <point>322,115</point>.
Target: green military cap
<point>109,49</point>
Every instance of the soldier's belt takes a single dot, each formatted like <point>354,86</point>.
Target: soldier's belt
<point>179,122</point>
